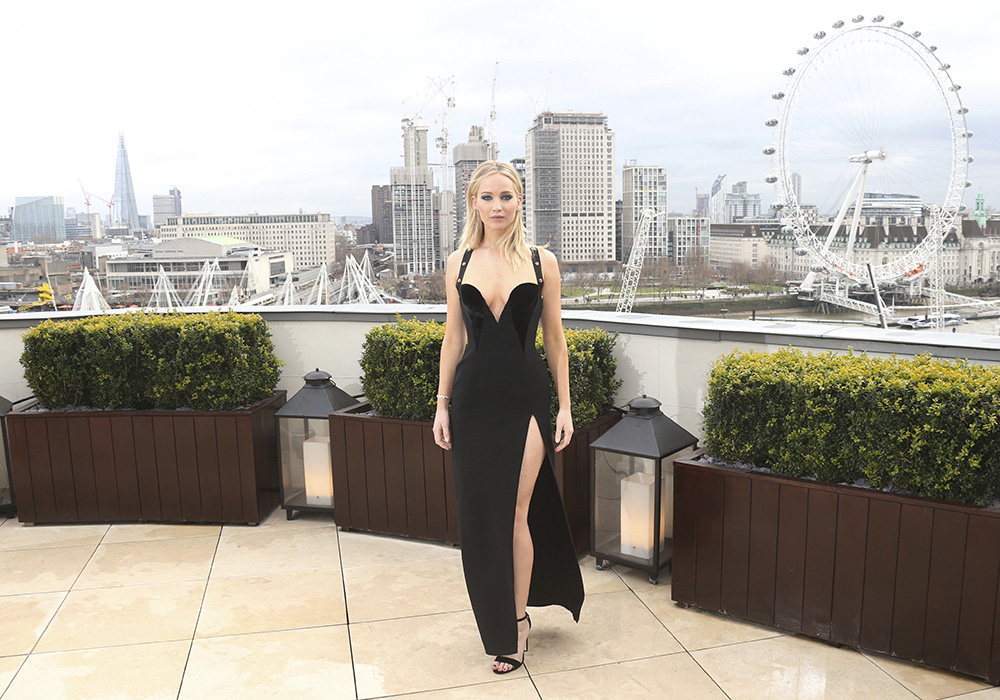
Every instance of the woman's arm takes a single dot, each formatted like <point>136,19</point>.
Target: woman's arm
<point>555,345</point>
<point>452,348</point>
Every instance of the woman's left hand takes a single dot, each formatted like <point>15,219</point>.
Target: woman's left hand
<point>564,428</point>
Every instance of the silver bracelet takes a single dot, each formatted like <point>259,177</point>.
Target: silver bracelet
<point>442,396</point>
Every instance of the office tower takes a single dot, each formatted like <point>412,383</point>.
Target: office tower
<point>382,213</point>
<point>569,185</point>
<point>415,204</point>
<point>644,187</point>
<point>740,187</point>
<point>165,205</point>
<point>740,205</point>
<point>125,213</point>
<point>39,220</point>
<point>521,167</point>
<point>717,201</point>
<point>797,186</point>
<point>702,205</point>
<point>468,156</point>
<point>689,238</point>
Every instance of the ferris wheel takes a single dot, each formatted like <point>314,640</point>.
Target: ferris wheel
<point>869,115</point>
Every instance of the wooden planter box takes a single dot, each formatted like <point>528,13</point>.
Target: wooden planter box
<point>155,466</point>
<point>906,576</point>
<point>390,477</point>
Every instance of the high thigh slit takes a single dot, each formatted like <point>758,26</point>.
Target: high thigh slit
<point>501,384</point>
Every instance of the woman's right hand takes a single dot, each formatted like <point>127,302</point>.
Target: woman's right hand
<point>442,429</point>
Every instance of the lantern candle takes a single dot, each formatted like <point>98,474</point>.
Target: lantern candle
<point>638,504</point>
<point>318,471</point>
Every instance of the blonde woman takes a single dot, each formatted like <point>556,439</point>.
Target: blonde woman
<point>517,549</point>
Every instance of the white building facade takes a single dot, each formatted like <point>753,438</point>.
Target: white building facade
<point>645,187</point>
<point>308,237</point>
<point>569,185</point>
<point>415,205</point>
<point>690,236</point>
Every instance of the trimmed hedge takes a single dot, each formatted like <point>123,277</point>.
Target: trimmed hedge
<point>924,426</point>
<point>209,362</point>
<point>400,363</point>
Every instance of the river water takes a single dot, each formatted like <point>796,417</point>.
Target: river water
<point>980,326</point>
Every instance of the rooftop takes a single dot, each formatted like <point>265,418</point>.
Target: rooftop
<point>303,608</point>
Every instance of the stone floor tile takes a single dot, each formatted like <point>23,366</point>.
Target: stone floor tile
<point>797,668</point>
<point>368,549</point>
<point>271,602</point>
<point>278,520</point>
<point>673,676</point>
<point>42,570</point>
<point>405,589</point>
<point>308,664</point>
<point>143,532</point>
<point>101,617</point>
<point>613,627</point>
<point>136,672</point>
<point>595,581</point>
<point>514,689</point>
<point>699,629</point>
<point>925,682</point>
<point>24,619</point>
<point>275,552</point>
<point>157,561</point>
<point>9,666</point>
<point>15,535</point>
<point>413,654</point>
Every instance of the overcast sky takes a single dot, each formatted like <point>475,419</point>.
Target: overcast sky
<point>279,106</point>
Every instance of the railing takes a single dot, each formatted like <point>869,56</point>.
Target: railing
<point>668,357</point>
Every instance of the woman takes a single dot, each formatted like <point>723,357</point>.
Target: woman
<point>517,549</point>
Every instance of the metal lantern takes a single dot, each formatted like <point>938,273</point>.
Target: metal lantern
<point>632,488</point>
<point>7,507</point>
<point>304,444</point>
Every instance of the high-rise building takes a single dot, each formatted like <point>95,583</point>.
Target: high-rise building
<point>690,236</point>
<point>468,156</point>
<point>382,213</point>
<point>125,213</point>
<point>702,203</point>
<point>415,204</point>
<point>797,187</point>
<point>521,168</point>
<point>740,205</point>
<point>39,220</point>
<point>717,201</point>
<point>569,185</point>
<point>644,187</point>
<point>165,205</point>
<point>740,187</point>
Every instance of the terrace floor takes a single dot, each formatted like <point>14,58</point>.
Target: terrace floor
<point>302,609</point>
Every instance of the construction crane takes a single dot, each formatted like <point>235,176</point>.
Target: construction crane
<point>45,298</point>
<point>86,197</point>
<point>632,269</point>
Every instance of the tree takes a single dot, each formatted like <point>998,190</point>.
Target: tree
<point>700,272</point>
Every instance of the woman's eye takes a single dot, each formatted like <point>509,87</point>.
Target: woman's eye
<point>507,197</point>
<point>487,197</point>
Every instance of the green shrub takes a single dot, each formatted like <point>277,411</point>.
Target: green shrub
<point>922,425</point>
<point>143,360</point>
<point>400,363</point>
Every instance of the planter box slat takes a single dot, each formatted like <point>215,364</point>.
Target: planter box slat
<point>979,593</point>
<point>416,489</point>
<point>187,468</point>
<point>821,549</point>
<point>944,589</point>
<point>338,456</point>
<point>21,478</point>
<point>208,468</point>
<point>708,565</point>
<point>43,489</point>
<point>913,573</point>
<point>145,468</point>
<point>849,575</point>
<point>63,486</point>
<point>378,510</point>
<point>166,472</point>
<point>123,452</point>
<point>229,468</point>
<point>763,552</point>
<point>685,533</point>
<point>357,477</point>
<point>87,504</point>
<point>395,478</point>
<point>880,576</point>
<point>793,507</point>
<point>735,546</point>
<point>437,496</point>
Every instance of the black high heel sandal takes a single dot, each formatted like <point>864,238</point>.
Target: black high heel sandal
<point>514,663</point>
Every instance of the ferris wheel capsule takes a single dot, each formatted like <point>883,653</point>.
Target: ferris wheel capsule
<point>803,51</point>
<point>801,252</point>
<point>788,229</point>
<point>877,18</point>
<point>859,18</point>
<point>769,151</point>
<point>788,71</point>
<point>816,268</point>
<point>966,134</point>
<point>897,24</point>
<point>962,110</point>
<point>778,206</point>
<point>819,35</point>
<point>932,49</point>
<point>967,159</point>
<point>915,34</point>
<point>944,66</point>
<point>968,184</point>
<point>771,122</point>
<point>838,24</point>
<point>777,96</point>
<point>770,179</point>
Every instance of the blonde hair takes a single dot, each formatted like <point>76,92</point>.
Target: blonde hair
<point>513,245</point>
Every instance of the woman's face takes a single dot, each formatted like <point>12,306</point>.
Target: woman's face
<point>497,202</point>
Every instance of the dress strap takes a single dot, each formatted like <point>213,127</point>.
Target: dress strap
<point>538,265</point>
<point>464,265</point>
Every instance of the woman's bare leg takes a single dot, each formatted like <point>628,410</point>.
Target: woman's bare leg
<point>524,551</point>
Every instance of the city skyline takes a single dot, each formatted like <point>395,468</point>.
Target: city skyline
<point>300,108</point>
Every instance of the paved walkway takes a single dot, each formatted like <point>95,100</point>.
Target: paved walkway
<point>302,610</point>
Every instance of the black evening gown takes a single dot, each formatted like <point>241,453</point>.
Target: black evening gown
<point>501,384</point>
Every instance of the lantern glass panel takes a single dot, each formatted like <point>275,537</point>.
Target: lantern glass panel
<point>625,507</point>
<point>306,469</point>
